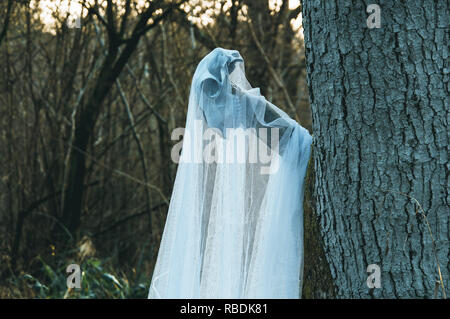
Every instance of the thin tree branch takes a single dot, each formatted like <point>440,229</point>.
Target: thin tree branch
<point>274,74</point>
<point>6,20</point>
<point>127,218</point>
<point>180,17</point>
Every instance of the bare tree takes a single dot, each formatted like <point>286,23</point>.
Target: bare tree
<point>88,112</point>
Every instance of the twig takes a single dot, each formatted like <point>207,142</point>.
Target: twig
<point>273,72</point>
<point>121,173</point>
<point>168,70</point>
<point>419,210</point>
<point>138,143</point>
<point>127,218</point>
<point>144,98</point>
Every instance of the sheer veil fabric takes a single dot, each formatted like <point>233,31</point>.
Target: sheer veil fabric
<point>234,228</point>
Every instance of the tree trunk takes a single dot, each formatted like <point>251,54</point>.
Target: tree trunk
<point>379,100</point>
<point>317,280</point>
<point>87,116</point>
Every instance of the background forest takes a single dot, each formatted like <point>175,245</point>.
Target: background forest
<point>87,107</point>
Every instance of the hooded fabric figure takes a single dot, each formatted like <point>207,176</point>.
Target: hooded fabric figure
<point>234,228</point>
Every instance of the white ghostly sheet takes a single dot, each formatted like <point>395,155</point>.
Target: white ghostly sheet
<point>234,228</point>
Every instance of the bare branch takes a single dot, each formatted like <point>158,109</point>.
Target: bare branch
<point>6,20</point>
<point>274,73</point>
<point>181,17</point>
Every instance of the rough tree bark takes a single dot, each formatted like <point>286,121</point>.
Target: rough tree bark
<point>379,100</point>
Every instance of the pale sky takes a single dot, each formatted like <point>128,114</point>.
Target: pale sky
<point>74,8</point>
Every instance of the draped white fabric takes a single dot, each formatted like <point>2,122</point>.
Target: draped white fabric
<point>234,228</point>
